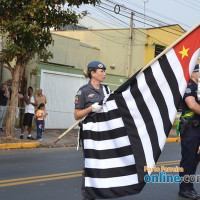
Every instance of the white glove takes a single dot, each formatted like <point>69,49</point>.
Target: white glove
<point>96,107</point>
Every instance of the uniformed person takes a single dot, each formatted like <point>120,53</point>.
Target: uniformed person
<point>190,135</point>
<point>90,95</point>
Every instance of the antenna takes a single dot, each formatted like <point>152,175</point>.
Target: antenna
<point>144,1</point>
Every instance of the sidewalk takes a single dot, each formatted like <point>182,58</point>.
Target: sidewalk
<point>51,135</point>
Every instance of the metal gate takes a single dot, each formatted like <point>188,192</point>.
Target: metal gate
<point>60,90</point>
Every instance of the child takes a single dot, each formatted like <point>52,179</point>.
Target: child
<point>40,115</point>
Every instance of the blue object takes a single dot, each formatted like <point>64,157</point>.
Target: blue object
<point>96,64</point>
<point>196,69</point>
<point>40,124</point>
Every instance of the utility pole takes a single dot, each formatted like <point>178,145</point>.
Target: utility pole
<point>130,43</point>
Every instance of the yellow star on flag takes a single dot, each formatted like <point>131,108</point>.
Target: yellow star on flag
<point>184,52</point>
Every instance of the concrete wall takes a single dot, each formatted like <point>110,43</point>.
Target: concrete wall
<point>70,52</point>
<point>5,74</point>
<point>86,55</point>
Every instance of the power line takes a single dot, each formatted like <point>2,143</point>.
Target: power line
<point>115,18</point>
<point>108,14</point>
<point>103,36</point>
<point>153,12</point>
<point>138,30</point>
<point>100,35</point>
<point>156,13</point>
<point>135,12</point>
<point>142,22</point>
<point>150,19</point>
<point>138,14</point>
<point>187,5</point>
<point>119,32</point>
<point>135,29</point>
<point>102,16</point>
<point>107,26</point>
<point>191,3</point>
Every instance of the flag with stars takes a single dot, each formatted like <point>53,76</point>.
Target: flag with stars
<point>130,131</point>
<point>187,52</point>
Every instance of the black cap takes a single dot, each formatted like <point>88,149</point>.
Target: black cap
<point>196,69</point>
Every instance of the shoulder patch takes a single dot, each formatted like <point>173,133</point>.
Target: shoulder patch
<point>79,92</point>
<point>188,90</point>
<point>80,89</point>
<point>76,100</point>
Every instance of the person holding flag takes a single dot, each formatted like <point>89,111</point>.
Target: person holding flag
<point>131,129</point>
<point>90,96</point>
<point>190,135</point>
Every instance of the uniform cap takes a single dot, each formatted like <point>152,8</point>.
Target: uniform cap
<point>196,69</point>
<point>96,64</point>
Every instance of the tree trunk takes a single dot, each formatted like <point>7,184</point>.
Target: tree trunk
<point>23,84</point>
<point>11,118</point>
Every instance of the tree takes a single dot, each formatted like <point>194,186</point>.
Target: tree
<point>26,26</point>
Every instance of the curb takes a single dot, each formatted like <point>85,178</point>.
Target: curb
<point>19,145</point>
<point>28,145</point>
<point>175,139</point>
<point>58,146</point>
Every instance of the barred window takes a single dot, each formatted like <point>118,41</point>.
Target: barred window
<point>158,49</point>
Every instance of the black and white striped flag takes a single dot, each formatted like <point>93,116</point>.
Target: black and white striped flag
<point>130,131</point>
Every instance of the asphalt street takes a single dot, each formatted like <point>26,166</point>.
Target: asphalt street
<point>55,173</point>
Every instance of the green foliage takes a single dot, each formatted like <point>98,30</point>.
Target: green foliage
<point>27,24</point>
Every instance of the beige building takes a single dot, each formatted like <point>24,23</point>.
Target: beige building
<point>61,77</point>
<point>113,45</point>
<point>73,50</point>
<point>68,52</point>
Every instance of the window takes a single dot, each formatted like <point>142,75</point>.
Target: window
<point>158,49</point>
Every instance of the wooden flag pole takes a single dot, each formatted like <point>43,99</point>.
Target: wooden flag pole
<point>170,47</point>
<point>68,130</point>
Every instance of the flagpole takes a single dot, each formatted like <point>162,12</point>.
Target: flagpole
<point>68,130</point>
<point>168,48</point>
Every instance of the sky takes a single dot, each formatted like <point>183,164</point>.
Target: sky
<point>186,13</point>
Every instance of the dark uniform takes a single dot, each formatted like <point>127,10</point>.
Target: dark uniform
<point>190,138</point>
<point>85,97</point>
<point>88,95</point>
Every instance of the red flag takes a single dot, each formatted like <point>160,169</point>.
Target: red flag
<point>186,49</point>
